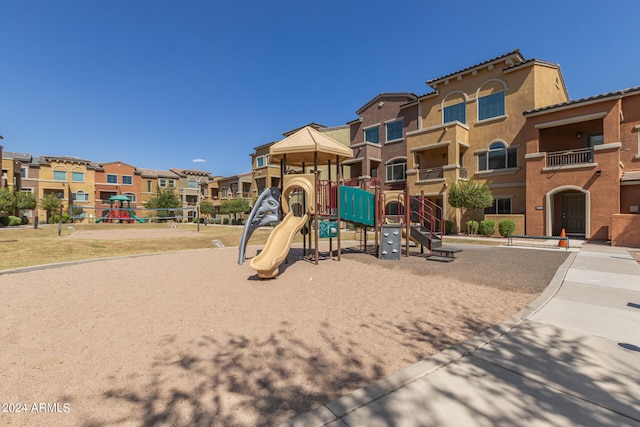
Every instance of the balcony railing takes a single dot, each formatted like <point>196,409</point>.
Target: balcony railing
<point>570,157</point>
<point>431,173</point>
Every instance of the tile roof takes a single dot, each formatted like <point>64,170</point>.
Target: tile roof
<point>615,94</point>
<point>156,173</point>
<point>409,95</point>
<point>24,157</point>
<point>520,58</point>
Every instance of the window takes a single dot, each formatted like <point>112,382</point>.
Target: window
<point>80,196</point>
<point>498,157</point>
<point>163,182</point>
<point>491,106</point>
<point>372,135</point>
<point>77,176</point>
<point>455,112</point>
<point>112,179</point>
<point>149,186</point>
<point>193,184</point>
<point>394,130</point>
<point>60,175</point>
<point>397,170</point>
<point>500,206</point>
<point>127,179</point>
<point>172,183</point>
<point>259,161</point>
<point>23,173</point>
<point>131,196</point>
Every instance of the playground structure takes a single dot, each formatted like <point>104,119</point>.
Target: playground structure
<point>317,207</point>
<point>118,212</point>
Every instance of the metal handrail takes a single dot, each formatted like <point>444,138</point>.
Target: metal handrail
<point>570,157</point>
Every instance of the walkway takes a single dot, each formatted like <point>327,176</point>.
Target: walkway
<point>571,358</point>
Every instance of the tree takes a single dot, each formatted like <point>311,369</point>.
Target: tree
<point>7,200</point>
<point>206,208</point>
<point>470,195</point>
<point>50,203</point>
<point>235,206</point>
<point>25,201</point>
<point>164,199</point>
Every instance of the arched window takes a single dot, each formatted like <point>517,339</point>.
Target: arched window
<point>59,174</point>
<point>80,196</point>
<point>491,100</point>
<point>131,196</point>
<point>397,169</point>
<point>498,156</point>
<point>454,108</point>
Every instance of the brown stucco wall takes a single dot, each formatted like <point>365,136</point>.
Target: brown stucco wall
<point>629,196</point>
<point>625,230</point>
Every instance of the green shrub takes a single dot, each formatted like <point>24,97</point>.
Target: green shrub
<point>225,221</point>
<point>448,227</point>
<point>506,227</point>
<point>56,219</point>
<point>472,227</point>
<point>487,227</point>
<point>14,220</point>
<point>4,221</point>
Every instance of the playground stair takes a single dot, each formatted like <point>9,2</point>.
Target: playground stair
<point>421,235</point>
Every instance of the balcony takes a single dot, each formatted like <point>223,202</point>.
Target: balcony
<point>577,156</point>
<point>431,173</point>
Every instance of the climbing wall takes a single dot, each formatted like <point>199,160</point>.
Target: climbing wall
<point>390,242</point>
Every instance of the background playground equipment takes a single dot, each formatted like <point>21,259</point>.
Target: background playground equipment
<point>118,212</point>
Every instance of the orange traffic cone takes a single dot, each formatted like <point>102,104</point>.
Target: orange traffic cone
<point>562,243</point>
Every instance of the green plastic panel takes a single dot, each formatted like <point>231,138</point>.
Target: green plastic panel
<point>328,229</point>
<point>357,205</point>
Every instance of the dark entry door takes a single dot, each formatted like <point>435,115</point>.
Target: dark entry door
<point>573,213</point>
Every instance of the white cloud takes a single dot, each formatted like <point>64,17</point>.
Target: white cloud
<point>199,161</point>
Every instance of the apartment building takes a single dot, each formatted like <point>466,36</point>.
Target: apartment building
<point>583,168</point>
<point>264,173</point>
<point>152,180</point>
<point>471,126</point>
<point>115,178</point>
<point>70,178</point>
<point>378,139</point>
<point>193,186</point>
<point>11,176</point>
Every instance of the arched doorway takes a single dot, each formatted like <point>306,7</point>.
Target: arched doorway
<point>568,208</point>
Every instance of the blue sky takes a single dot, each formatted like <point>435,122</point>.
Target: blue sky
<point>161,83</point>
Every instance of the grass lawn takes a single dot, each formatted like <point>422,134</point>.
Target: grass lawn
<point>22,247</point>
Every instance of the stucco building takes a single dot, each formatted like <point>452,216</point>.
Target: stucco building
<point>583,168</point>
<point>471,127</point>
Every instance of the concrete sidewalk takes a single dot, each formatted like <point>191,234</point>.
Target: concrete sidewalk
<point>570,358</point>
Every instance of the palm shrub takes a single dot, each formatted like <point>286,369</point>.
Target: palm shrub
<point>506,227</point>
<point>487,227</point>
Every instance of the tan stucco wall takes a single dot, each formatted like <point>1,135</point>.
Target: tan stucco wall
<point>527,87</point>
<point>518,219</point>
